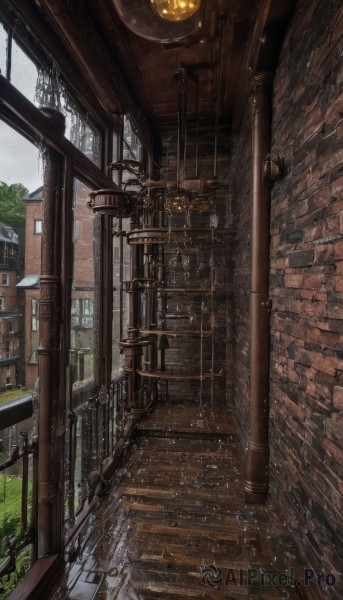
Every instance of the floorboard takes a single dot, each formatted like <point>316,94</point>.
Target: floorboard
<point>176,520</point>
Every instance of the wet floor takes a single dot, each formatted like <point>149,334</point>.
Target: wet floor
<point>175,525</point>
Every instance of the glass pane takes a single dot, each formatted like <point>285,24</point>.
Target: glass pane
<point>20,204</point>
<point>3,50</point>
<point>132,148</point>
<point>80,130</point>
<point>24,73</point>
<point>20,256</point>
<point>126,277</point>
<point>121,274</point>
<point>11,488</point>
<point>82,310</point>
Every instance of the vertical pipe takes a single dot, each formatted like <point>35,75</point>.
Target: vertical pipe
<point>51,438</point>
<point>256,484</point>
<point>67,262</point>
<point>212,324</point>
<point>34,509</point>
<point>24,485</point>
<point>197,128</point>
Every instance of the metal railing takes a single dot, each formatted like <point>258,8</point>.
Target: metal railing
<point>18,492</point>
<point>94,427</point>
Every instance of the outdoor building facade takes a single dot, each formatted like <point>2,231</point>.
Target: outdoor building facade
<point>10,315</point>
<point>182,299</point>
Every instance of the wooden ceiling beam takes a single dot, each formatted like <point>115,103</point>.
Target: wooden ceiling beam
<point>52,44</point>
<point>31,121</point>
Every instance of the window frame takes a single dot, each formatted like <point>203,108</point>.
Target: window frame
<point>35,227</point>
<point>34,314</point>
<point>7,279</point>
<point>69,163</point>
<point>42,58</point>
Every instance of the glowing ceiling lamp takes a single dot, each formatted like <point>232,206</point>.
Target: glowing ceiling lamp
<point>163,21</point>
<point>175,10</point>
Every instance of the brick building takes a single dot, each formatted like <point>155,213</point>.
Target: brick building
<point>262,125</point>
<point>10,315</point>
<point>82,311</point>
<point>30,285</point>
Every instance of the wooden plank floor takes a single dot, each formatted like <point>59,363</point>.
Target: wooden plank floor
<point>176,520</point>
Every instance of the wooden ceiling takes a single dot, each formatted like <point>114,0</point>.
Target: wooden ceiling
<point>214,56</point>
<point>118,71</point>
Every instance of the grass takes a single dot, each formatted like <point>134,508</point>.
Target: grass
<point>13,395</point>
<point>10,528</point>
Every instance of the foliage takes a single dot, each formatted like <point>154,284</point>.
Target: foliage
<point>12,206</point>
<point>13,395</point>
<point>10,506</point>
<point>12,213</point>
<point>10,527</point>
<point>23,563</point>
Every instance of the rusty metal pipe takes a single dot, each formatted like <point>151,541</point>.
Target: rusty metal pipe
<point>256,484</point>
<point>50,501</point>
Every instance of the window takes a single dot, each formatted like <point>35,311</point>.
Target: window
<point>34,314</point>
<point>24,72</point>
<point>38,226</point>
<point>5,279</point>
<point>82,311</point>
<point>44,86</point>
<point>3,50</point>
<point>76,230</point>
<point>87,312</point>
<point>132,150</point>
<point>2,303</point>
<point>83,328</point>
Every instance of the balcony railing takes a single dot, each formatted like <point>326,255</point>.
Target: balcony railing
<point>95,425</point>
<point>18,492</point>
<point>94,432</point>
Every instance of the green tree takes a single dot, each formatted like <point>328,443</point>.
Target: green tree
<point>12,213</point>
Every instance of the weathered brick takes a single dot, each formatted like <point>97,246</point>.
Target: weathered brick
<point>306,274</point>
<point>314,280</point>
<point>335,310</point>
<point>301,258</point>
<point>338,254</point>
<point>292,237</point>
<point>338,397</point>
<point>333,451</point>
<point>334,431</point>
<point>293,281</point>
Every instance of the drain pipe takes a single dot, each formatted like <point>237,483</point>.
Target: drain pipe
<point>50,421</point>
<point>257,478</point>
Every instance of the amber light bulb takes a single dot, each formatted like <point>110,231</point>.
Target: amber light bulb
<point>175,10</point>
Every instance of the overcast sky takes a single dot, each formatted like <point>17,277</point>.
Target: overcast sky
<point>19,159</point>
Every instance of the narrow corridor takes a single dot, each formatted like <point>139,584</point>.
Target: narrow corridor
<point>176,525</point>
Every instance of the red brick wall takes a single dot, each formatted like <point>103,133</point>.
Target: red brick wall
<point>32,240</point>
<point>31,340</point>
<point>9,292</point>
<point>240,188</point>
<point>306,285</point>
<point>32,267</point>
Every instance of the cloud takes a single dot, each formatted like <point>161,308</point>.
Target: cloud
<point>19,159</point>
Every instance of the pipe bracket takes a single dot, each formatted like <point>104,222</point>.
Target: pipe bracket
<point>267,303</point>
